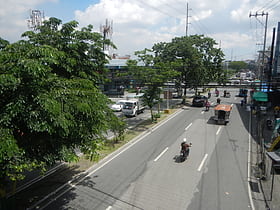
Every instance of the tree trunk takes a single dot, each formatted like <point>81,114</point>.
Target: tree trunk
<point>152,116</point>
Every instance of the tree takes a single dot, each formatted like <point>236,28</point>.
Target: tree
<point>237,65</point>
<point>212,58</point>
<point>50,98</point>
<point>152,75</point>
<point>195,57</point>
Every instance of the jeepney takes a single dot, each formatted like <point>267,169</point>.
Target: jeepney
<point>222,113</point>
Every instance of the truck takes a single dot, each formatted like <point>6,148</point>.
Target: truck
<point>133,107</point>
<point>242,75</point>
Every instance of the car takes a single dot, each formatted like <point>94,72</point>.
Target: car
<point>199,100</point>
<point>118,106</point>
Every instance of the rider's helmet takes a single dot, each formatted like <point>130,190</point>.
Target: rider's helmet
<point>185,140</point>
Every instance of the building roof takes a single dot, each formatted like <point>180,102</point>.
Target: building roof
<point>117,62</point>
<point>260,96</point>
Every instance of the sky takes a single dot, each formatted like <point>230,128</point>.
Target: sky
<point>139,24</point>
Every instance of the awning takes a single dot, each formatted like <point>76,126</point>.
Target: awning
<point>260,96</point>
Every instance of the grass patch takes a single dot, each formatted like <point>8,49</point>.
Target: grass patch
<point>110,146</point>
<point>131,134</point>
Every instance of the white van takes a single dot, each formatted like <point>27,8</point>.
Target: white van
<point>132,107</point>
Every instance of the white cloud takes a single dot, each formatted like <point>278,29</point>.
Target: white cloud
<point>241,13</point>
<point>121,11</point>
<point>234,40</point>
<point>136,24</point>
<point>141,23</point>
<point>202,15</point>
<point>14,15</point>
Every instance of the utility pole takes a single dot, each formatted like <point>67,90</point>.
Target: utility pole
<point>271,61</point>
<point>264,43</point>
<point>187,19</point>
<point>260,120</point>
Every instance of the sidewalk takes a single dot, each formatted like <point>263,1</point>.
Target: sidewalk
<point>265,188</point>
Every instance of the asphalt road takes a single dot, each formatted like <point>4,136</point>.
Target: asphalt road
<point>147,174</point>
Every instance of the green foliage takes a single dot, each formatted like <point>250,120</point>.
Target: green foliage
<point>118,128</point>
<point>152,75</point>
<point>50,98</point>
<point>194,57</point>
<point>237,65</point>
<point>12,162</point>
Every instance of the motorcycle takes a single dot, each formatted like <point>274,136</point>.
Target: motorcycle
<point>185,153</point>
<point>269,124</point>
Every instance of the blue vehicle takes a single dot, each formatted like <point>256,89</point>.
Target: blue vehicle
<point>243,92</point>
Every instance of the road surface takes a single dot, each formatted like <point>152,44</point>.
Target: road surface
<point>147,173</point>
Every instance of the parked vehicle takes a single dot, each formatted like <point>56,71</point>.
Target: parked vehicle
<point>199,100</point>
<point>243,92</point>
<point>133,107</point>
<point>118,106</point>
<point>222,113</point>
<point>269,124</point>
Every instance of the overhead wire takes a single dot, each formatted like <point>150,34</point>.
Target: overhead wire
<point>259,31</point>
<point>197,24</point>
<point>264,7</point>
<point>201,25</point>
<point>277,4</point>
<point>157,9</point>
<point>176,9</point>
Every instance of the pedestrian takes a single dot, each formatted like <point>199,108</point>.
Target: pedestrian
<point>209,94</point>
<point>245,99</point>
<point>207,105</point>
<point>276,111</point>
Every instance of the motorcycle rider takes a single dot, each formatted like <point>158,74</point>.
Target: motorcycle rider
<point>217,92</point>
<point>185,147</point>
<point>225,93</point>
<point>207,105</point>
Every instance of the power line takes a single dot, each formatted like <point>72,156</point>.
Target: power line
<point>277,4</point>
<point>264,42</point>
<point>176,9</point>
<point>157,9</point>
<point>200,25</point>
<point>265,6</point>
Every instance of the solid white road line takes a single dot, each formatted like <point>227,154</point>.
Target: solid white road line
<point>202,162</point>
<point>219,129</point>
<point>188,126</point>
<point>249,166</point>
<point>158,157</point>
<point>109,158</point>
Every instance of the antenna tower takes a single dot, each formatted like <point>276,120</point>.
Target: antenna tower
<point>36,19</point>
<point>107,31</point>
